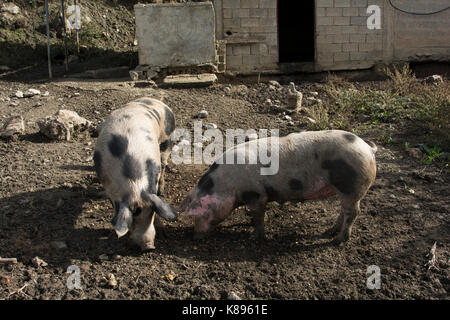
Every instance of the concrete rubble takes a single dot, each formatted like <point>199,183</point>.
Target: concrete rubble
<point>63,125</point>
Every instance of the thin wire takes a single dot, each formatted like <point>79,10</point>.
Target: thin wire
<point>417,13</point>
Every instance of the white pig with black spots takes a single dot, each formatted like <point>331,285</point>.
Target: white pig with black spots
<point>312,165</point>
<point>130,157</point>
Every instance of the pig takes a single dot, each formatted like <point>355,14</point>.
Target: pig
<point>312,165</point>
<point>130,158</point>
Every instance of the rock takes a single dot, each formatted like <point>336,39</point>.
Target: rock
<point>202,114</point>
<point>4,68</point>
<point>294,98</point>
<point>46,94</point>
<point>112,282</point>
<point>314,93</point>
<point>63,125</point>
<point>10,8</point>
<point>31,92</point>
<point>38,262</point>
<point>415,153</point>
<point>10,16</point>
<point>211,126</point>
<point>190,80</point>
<point>58,245</point>
<point>134,75</point>
<point>233,296</point>
<point>291,123</point>
<point>227,88</point>
<point>18,94</point>
<point>435,79</point>
<point>14,126</point>
<point>103,257</point>
<point>287,118</point>
<point>274,83</point>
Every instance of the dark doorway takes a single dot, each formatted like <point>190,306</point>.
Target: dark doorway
<point>296,30</point>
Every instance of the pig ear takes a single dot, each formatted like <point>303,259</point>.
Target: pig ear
<point>122,220</point>
<point>162,208</point>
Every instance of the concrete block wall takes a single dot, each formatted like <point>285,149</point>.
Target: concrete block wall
<point>343,40</point>
<point>414,37</point>
<point>250,30</point>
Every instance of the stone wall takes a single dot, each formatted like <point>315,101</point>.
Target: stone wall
<point>343,40</point>
<point>419,37</point>
<point>246,34</point>
<point>250,30</point>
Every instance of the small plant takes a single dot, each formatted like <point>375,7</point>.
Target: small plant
<point>402,80</point>
<point>320,114</point>
<point>407,145</point>
<point>431,155</point>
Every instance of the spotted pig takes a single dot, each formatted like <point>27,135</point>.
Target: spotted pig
<point>312,165</point>
<point>130,157</point>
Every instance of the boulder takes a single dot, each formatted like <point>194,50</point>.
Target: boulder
<point>434,79</point>
<point>63,125</point>
<point>13,127</point>
<point>10,7</point>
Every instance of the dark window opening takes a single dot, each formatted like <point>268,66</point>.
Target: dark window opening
<point>296,30</point>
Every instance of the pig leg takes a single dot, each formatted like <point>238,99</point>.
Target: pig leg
<point>165,149</point>
<point>258,213</point>
<point>350,210</point>
<point>336,228</point>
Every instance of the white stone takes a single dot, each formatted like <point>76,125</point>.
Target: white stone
<point>31,92</point>
<point>211,126</point>
<point>10,8</point>
<point>202,114</point>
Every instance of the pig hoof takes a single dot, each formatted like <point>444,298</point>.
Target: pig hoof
<point>330,233</point>
<point>338,241</point>
<point>147,247</point>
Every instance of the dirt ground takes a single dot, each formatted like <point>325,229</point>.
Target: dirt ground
<point>49,192</point>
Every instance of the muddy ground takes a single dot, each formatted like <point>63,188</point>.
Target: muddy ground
<point>49,192</point>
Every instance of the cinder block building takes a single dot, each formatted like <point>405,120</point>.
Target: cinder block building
<point>319,35</point>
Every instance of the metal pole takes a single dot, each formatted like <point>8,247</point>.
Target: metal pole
<point>48,41</point>
<point>66,62</point>
<point>78,40</point>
